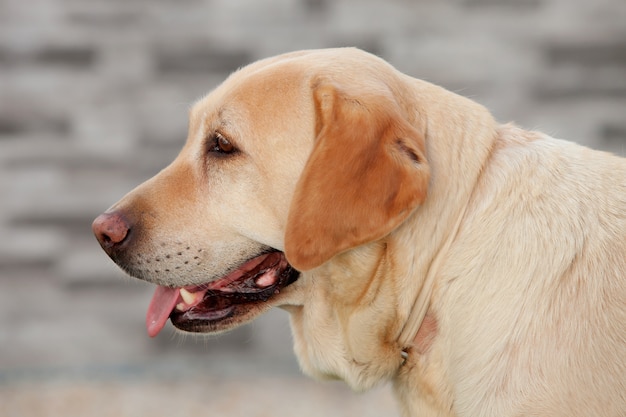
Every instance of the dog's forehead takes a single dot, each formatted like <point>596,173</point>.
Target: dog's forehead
<point>274,84</point>
<point>254,101</point>
<point>273,98</point>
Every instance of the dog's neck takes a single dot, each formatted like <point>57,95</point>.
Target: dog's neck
<point>415,326</point>
<point>423,239</point>
<point>419,329</point>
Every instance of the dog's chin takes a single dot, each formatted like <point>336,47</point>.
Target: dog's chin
<point>224,303</point>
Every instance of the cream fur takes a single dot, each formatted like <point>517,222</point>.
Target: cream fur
<point>517,251</point>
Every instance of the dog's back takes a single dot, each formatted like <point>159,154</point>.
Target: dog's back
<point>543,247</point>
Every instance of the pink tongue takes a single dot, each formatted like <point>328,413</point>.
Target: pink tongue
<point>163,302</point>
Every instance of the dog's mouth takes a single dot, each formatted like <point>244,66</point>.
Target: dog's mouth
<point>208,307</point>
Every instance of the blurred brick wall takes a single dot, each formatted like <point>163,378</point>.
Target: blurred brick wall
<point>94,98</point>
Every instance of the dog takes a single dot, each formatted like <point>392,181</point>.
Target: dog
<point>479,267</point>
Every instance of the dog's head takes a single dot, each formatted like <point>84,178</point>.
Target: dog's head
<point>290,162</point>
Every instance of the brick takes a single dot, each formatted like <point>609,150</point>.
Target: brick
<point>69,222</point>
<point>104,18</point>
<point>10,127</point>
<point>369,44</point>
<point>613,135</point>
<point>610,53</point>
<point>7,56</point>
<point>29,248</point>
<point>69,56</point>
<point>515,5</point>
<point>580,84</point>
<point>23,123</point>
<point>549,92</point>
<point>27,265</point>
<point>316,6</point>
<point>199,59</point>
<point>97,286</point>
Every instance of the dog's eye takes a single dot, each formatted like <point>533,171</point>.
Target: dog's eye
<point>219,144</point>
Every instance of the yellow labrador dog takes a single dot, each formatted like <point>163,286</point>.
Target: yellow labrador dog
<point>479,267</point>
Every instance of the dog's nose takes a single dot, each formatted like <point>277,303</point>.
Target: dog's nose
<point>111,230</point>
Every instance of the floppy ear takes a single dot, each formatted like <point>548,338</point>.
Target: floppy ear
<point>366,174</point>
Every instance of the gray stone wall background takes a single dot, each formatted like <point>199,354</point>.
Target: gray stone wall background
<point>93,100</point>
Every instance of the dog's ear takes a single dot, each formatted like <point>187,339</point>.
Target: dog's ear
<point>367,172</point>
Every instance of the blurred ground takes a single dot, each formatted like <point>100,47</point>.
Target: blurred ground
<point>93,100</point>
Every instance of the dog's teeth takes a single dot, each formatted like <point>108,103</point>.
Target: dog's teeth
<point>265,280</point>
<point>188,298</point>
<point>180,306</point>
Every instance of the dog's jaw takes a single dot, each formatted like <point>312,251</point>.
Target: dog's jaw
<point>225,303</point>
<point>340,326</point>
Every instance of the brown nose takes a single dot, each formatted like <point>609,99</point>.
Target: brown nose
<point>111,230</point>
